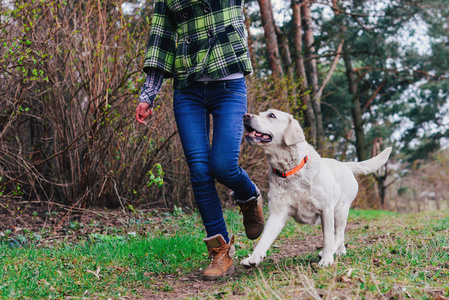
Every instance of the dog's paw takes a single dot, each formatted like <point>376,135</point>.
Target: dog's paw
<point>251,261</point>
<point>320,253</point>
<point>341,251</point>
<point>326,262</point>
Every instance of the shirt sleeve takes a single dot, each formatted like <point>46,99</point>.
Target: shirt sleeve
<point>152,85</point>
<point>162,41</point>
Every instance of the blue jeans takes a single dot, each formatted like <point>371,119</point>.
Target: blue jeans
<point>226,102</point>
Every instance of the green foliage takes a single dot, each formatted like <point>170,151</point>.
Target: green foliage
<point>157,179</point>
<point>400,83</point>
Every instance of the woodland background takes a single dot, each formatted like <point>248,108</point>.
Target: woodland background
<point>359,75</point>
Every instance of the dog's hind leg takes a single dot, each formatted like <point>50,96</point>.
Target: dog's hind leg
<point>274,225</point>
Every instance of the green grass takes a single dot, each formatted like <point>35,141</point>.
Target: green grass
<point>368,215</point>
<point>113,264</point>
<point>388,254</point>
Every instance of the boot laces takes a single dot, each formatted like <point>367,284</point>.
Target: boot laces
<point>215,256</point>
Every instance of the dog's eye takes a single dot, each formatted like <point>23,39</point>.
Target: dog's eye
<point>272,116</point>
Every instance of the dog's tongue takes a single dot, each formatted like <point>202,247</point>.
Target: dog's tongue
<point>254,133</point>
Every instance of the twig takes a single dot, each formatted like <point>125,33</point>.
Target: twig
<point>55,237</point>
<point>65,207</point>
<point>331,70</point>
<point>368,103</point>
<point>65,217</point>
<point>335,8</point>
<point>118,195</point>
<point>334,54</point>
<point>338,113</point>
<point>334,279</point>
<point>377,286</point>
<point>10,197</point>
<point>5,207</point>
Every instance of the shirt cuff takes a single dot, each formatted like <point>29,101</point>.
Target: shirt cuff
<point>152,85</point>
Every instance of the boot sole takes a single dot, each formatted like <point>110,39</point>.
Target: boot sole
<point>230,271</point>
<point>257,235</point>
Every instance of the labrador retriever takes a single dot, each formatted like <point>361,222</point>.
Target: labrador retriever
<point>303,185</point>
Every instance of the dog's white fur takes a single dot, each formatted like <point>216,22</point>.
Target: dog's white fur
<point>322,191</point>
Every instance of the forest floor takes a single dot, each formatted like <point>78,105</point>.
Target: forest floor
<point>52,251</point>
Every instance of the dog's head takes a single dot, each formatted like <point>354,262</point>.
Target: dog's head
<point>272,128</point>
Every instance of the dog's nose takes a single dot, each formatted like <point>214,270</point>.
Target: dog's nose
<point>247,116</point>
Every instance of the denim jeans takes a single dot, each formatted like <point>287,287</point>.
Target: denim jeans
<point>226,102</point>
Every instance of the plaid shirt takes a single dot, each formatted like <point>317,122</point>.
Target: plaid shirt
<point>190,38</point>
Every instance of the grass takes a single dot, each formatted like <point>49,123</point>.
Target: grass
<point>389,255</point>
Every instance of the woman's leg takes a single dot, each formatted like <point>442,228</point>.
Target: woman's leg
<point>228,106</point>
<point>192,118</point>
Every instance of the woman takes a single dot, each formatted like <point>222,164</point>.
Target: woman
<point>203,46</point>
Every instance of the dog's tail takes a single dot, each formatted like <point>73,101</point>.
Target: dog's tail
<point>370,165</point>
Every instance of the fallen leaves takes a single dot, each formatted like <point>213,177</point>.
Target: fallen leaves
<point>238,293</point>
<point>120,270</point>
<point>350,246</point>
<point>344,279</point>
<point>47,284</point>
<point>96,273</point>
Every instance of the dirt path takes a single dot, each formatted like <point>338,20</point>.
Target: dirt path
<point>191,285</point>
<point>50,221</point>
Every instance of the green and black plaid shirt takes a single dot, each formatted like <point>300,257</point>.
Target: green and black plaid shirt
<point>190,38</point>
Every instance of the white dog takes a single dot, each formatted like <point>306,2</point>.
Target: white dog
<point>302,184</point>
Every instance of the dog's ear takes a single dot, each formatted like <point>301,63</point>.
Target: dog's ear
<point>293,134</point>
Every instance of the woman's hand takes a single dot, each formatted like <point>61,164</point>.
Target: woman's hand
<point>143,111</point>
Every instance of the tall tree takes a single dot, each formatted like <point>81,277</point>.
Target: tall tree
<point>389,82</point>
<point>356,110</point>
<point>312,70</point>
<point>300,70</point>
<point>272,50</point>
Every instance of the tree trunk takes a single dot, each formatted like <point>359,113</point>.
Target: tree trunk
<point>312,72</point>
<point>270,38</point>
<point>284,50</point>
<point>382,187</point>
<point>356,110</point>
<point>300,70</point>
<point>289,88</point>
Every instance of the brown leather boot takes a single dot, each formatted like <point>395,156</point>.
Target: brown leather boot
<point>220,255</point>
<point>252,215</point>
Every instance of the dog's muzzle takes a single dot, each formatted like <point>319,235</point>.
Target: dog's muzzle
<point>253,136</point>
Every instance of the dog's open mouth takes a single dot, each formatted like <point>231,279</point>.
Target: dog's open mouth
<point>256,136</point>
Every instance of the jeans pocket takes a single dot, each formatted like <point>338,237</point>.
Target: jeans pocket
<point>235,87</point>
<point>177,92</point>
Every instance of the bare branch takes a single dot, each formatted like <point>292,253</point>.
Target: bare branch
<point>331,70</point>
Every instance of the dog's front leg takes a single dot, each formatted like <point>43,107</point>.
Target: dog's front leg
<point>274,225</point>
<point>327,224</point>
